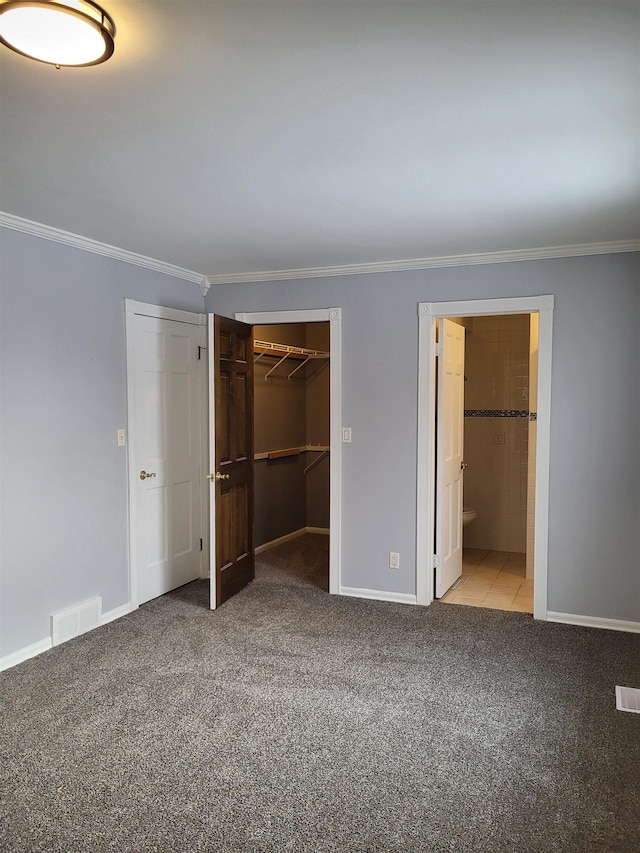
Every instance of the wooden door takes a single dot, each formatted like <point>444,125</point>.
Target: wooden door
<point>167,436</point>
<point>449,463</point>
<point>231,367</point>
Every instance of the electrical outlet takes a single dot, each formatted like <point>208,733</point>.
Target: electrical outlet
<point>498,438</point>
<point>122,438</point>
<point>394,560</point>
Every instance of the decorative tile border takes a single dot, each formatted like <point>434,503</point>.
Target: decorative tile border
<point>533,416</point>
<point>498,413</point>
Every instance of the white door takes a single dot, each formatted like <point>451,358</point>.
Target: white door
<point>449,462</point>
<point>165,476</point>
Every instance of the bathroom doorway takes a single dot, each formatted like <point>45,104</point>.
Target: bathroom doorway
<point>500,410</point>
<point>528,530</point>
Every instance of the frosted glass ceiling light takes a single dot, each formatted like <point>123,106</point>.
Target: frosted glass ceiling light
<point>60,32</point>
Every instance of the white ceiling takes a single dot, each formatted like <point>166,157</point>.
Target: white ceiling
<point>234,137</point>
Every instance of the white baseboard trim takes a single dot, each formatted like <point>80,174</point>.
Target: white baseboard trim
<point>594,622</point>
<point>24,654</point>
<point>41,646</point>
<point>378,595</point>
<point>288,537</point>
<point>116,613</point>
<point>280,540</point>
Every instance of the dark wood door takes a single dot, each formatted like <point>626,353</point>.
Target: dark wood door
<point>233,365</point>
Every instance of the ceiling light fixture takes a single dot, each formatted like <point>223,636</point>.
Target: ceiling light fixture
<point>59,32</point>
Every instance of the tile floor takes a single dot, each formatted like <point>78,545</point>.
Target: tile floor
<point>493,579</point>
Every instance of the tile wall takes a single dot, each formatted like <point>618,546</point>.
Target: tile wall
<point>497,410</point>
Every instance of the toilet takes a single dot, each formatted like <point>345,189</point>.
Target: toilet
<point>468,514</point>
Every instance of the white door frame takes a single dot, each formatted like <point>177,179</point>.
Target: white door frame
<point>334,317</point>
<point>428,312</point>
<point>133,308</point>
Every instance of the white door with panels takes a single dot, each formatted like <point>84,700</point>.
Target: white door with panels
<point>166,434</point>
<point>449,463</point>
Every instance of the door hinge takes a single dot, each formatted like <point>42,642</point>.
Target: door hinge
<point>436,562</point>
<point>438,348</point>
<point>201,544</point>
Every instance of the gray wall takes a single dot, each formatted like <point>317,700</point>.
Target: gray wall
<point>63,490</point>
<point>64,487</point>
<point>594,536</point>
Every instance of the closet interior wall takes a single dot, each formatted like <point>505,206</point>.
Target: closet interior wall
<point>291,413</point>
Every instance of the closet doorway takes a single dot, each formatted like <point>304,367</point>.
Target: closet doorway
<point>291,381</point>
<point>286,457</point>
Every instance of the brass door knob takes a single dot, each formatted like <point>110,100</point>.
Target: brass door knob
<point>218,476</point>
<point>144,475</point>
<point>463,465</point>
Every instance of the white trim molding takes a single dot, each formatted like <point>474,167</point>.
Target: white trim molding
<point>477,258</point>
<point>116,613</point>
<point>313,315</point>
<point>428,312</point>
<point>487,307</point>
<point>25,653</point>
<point>87,244</point>
<point>594,622</point>
<point>378,595</point>
<point>46,644</point>
<point>146,309</point>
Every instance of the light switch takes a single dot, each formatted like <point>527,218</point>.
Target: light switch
<point>346,435</point>
<point>122,438</point>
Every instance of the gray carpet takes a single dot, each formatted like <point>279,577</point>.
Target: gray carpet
<point>290,720</point>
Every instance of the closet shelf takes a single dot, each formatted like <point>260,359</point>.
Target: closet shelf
<point>292,451</point>
<point>284,351</point>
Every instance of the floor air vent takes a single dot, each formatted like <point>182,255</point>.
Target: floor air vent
<point>75,621</point>
<point>628,699</point>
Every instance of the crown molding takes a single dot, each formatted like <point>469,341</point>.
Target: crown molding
<point>47,232</point>
<point>67,238</point>
<point>508,256</point>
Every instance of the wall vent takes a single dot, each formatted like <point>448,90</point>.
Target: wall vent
<point>74,621</point>
<point>628,699</point>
